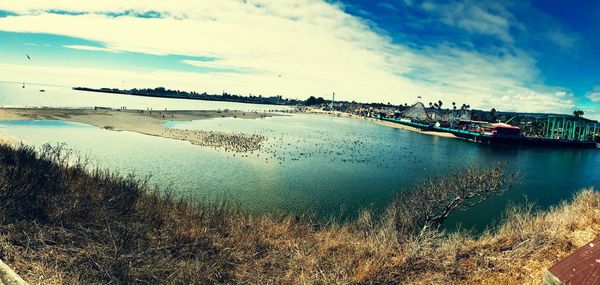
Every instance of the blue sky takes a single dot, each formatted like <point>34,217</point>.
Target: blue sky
<point>511,55</point>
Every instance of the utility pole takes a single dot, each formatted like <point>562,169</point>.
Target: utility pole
<point>332,101</point>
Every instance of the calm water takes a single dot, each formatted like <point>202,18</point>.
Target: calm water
<point>322,165</point>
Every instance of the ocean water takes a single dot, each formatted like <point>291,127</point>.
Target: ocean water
<point>321,165</point>
<point>14,95</point>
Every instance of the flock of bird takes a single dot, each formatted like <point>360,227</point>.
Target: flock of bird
<point>312,143</point>
<point>309,145</point>
<point>234,142</point>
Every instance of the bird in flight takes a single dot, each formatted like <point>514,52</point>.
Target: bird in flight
<point>28,57</point>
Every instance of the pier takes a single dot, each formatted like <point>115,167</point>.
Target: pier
<point>550,131</point>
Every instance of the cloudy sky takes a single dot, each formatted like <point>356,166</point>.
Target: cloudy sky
<point>541,56</point>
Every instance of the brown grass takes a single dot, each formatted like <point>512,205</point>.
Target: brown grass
<point>64,224</point>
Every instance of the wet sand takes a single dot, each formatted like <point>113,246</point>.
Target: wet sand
<point>149,123</point>
<point>409,128</point>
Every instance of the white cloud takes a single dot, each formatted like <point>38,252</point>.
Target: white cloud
<point>388,6</point>
<point>560,93</point>
<point>594,96</point>
<point>562,39</point>
<point>315,46</point>
<point>90,48</point>
<point>485,18</point>
<point>217,64</point>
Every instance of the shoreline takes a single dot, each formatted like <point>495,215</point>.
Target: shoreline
<point>172,94</point>
<point>383,123</point>
<point>147,122</point>
<point>151,122</point>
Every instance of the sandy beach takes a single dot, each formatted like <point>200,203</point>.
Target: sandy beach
<point>146,122</point>
<point>150,122</point>
<point>408,128</point>
<point>383,123</point>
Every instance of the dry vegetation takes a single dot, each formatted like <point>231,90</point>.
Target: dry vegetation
<point>72,224</point>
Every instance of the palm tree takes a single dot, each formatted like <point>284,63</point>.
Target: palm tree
<point>493,114</point>
<point>440,104</point>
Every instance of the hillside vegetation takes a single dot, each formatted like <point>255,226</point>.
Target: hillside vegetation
<point>63,222</point>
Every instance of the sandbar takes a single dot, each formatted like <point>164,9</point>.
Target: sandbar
<point>149,122</point>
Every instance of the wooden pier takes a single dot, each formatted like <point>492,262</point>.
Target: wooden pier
<point>566,142</point>
<point>581,267</point>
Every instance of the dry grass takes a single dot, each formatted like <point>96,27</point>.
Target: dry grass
<point>73,225</point>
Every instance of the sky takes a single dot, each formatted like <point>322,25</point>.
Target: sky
<point>525,55</point>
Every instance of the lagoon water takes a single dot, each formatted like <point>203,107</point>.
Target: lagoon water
<point>313,164</point>
<point>319,165</point>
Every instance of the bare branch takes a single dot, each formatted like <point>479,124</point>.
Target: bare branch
<point>427,205</point>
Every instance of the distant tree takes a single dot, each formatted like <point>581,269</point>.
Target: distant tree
<point>430,104</point>
<point>493,114</point>
<point>440,103</point>
<point>578,113</point>
<point>453,103</point>
<point>310,101</point>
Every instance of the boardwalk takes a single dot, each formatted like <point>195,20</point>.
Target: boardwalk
<point>581,267</point>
